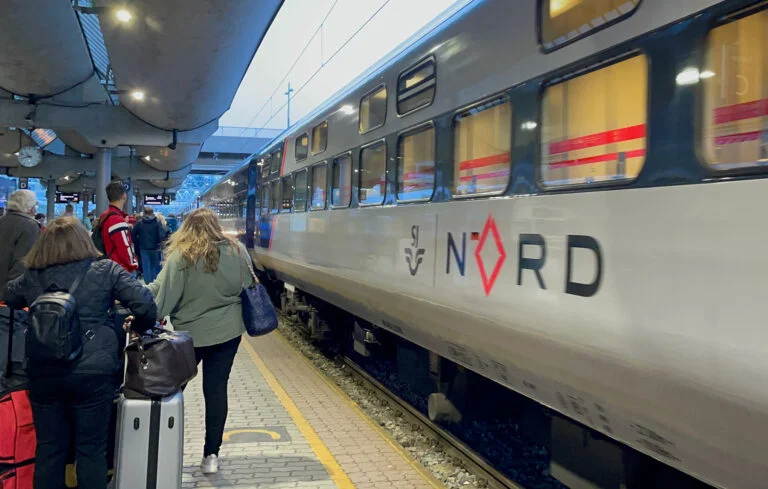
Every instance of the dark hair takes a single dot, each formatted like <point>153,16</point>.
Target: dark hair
<point>39,216</point>
<point>148,210</point>
<point>69,208</point>
<point>115,191</point>
<point>65,240</point>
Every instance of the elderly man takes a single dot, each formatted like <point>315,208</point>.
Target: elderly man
<point>18,232</point>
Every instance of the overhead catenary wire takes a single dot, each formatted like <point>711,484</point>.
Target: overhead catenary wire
<point>295,62</point>
<point>317,71</point>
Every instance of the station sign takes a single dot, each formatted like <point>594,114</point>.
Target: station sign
<point>67,198</point>
<point>153,199</point>
<point>23,183</point>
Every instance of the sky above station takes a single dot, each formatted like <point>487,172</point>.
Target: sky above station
<point>319,46</point>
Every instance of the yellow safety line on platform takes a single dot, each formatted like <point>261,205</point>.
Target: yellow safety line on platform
<point>423,472</point>
<point>322,453</point>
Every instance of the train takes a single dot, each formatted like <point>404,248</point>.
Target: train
<point>562,196</point>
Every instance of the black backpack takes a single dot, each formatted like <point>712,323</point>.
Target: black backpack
<point>96,237</point>
<point>53,332</point>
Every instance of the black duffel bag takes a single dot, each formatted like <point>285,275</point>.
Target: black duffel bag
<point>159,363</point>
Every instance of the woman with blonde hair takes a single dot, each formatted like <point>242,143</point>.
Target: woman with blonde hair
<point>77,396</point>
<point>199,288</point>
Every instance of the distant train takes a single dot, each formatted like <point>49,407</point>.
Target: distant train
<point>565,196</point>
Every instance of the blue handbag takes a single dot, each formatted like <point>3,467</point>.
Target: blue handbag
<point>259,315</point>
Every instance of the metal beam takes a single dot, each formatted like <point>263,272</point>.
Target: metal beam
<point>100,125</point>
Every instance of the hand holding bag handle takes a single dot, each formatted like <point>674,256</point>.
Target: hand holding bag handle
<point>259,315</point>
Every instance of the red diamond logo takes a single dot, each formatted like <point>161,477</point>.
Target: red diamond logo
<point>488,281</point>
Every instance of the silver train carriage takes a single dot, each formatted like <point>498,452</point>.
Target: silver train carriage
<point>560,195</point>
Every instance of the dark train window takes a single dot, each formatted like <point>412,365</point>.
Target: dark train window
<point>482,141</point>
<point>300,192</point>
<point>319,182</point>
<point>274,196</point>
<point>276,161</point>
<point>265,162</point>
<point>372,175</point>
<point>287,194</point>
<point>563,21</point>
<point>341,181</point>
<point>302,147</point>
<point>416,87</point>
<point>373,109</point>
<point>264,201</point>
<point>416,164</point>
<point>320,138</point>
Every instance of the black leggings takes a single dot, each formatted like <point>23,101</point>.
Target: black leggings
<point>217,364</point>
<point>61,406</point>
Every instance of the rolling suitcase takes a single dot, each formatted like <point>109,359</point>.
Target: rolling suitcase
<point>150,443</point>
<point>18,440</point>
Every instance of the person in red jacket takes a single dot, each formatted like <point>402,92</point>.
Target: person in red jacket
<point>115,231</point>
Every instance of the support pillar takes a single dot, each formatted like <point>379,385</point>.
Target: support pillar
<point>129,201</point>
<point>86,199</point>
<point>103,177</point>
<point>50,197</point>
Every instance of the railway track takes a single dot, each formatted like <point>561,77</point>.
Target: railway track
<point>461,454</point>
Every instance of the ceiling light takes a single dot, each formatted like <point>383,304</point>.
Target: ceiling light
<point>706,74</point>
<point>137,95</point>
<point>16,153</point>
<point>347,109</point>
<point>66,178</point>
<point>528,125</point>
<point>147,158</point>
<point>689,76</point>
<point>123,15</point>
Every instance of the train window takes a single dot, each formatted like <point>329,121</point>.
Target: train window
<point>341,180</point>
<point>416,164</point>
<point>593,125</point>
<point>319,182</point>
<point>276,161</point>
<point>481,148</point>
<point>372,176</point>
<point>264,206</point>
<point>736,94</point>
<point>320,138</point>
<point>302,147</point>
<point>300,192</point>
<point>416,87</point>
<point>265,163</point>
<point>274,196</point>
<point>286,204</point>
<point>563,21</point>
<point>373,109</point>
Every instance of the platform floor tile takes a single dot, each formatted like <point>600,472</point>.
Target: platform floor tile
<point>288,428</point>
<point>370,460</point>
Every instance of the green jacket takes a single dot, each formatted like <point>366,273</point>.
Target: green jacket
<point>205,304</point>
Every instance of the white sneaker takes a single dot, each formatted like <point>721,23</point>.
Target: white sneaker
<point>210,464</point>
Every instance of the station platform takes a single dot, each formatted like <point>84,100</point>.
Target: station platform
<point>291,427</point>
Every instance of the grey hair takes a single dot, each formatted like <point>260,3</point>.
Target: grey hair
<point>22,201</point>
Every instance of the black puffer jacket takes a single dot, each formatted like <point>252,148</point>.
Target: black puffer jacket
<point>103,283</point>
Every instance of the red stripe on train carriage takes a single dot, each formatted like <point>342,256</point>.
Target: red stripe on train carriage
<point>590,140</point>
<point>739,112</point>
<point>596,159</point>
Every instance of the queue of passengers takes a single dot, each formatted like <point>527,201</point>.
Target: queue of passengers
<point>199,289</point>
